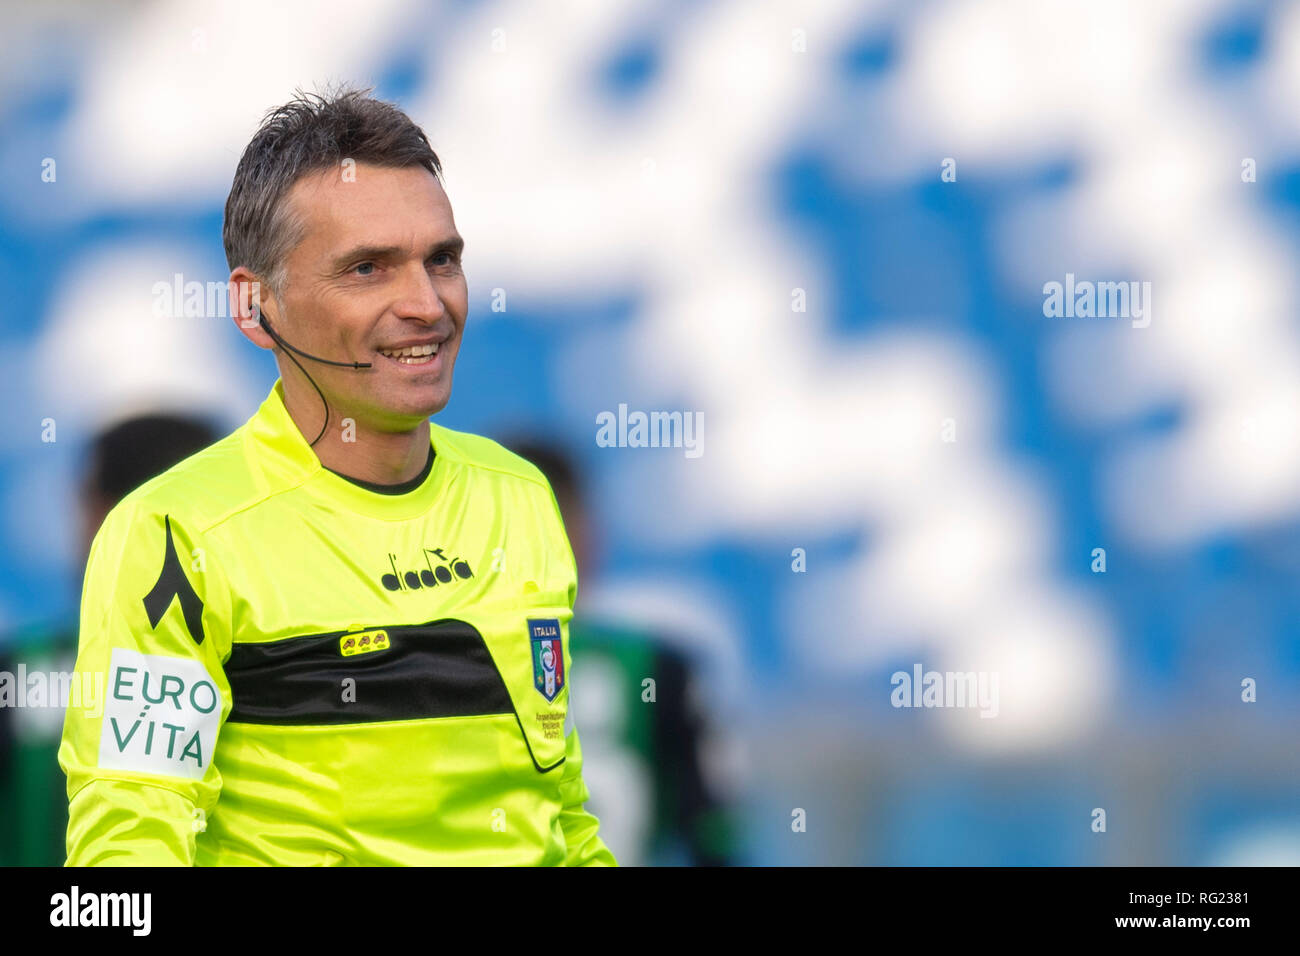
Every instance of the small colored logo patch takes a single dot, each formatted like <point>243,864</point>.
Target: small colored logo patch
<point>363,642</point>
<point>548,656</point>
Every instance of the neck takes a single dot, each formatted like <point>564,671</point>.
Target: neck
<point>385,458</point>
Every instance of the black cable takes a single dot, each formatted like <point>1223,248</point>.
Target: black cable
<point>324,404</point>
<point>289,351</point>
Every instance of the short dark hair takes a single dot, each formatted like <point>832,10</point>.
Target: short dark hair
<point>311,132</point>
<point>555,464</point>
<point>126,455</point>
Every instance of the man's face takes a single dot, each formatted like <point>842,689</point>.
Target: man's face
<point>378,270</point>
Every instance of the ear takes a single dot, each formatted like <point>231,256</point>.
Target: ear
<point>247,296</point>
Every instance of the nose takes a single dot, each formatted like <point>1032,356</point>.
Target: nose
<point>419,297</point>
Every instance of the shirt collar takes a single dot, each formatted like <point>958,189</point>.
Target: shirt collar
<point>281,450</point>
<point>286,460</point>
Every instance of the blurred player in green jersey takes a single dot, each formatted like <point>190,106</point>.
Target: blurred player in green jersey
<point>658,799</point>
<point>33,806</point>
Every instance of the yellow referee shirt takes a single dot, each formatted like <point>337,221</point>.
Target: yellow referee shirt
<point>299,670</point>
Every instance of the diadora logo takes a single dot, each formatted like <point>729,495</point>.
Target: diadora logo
<point>445,571</point>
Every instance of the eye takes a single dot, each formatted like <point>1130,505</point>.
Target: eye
<point>364,268</point>
<point>444,259</point>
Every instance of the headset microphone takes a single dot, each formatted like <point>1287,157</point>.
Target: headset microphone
<point>315,358</point>
<point>271,332</point>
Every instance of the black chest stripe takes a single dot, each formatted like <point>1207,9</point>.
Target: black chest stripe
<point>438,669</point>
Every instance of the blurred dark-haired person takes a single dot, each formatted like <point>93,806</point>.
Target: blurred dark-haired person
<point>339,635</point>
<point>658,799</point>
<point>33,813</point>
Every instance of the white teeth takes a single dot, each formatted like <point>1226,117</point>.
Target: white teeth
<point>413,351</point>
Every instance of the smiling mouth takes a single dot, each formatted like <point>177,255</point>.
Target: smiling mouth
<point>413,355</point>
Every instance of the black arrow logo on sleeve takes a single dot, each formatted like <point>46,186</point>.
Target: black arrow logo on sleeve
<point>172,583</point>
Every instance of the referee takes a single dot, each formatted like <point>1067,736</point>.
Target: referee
<point>339,635</point>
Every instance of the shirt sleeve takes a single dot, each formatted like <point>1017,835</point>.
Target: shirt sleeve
<point>137,748</point>
<point>584,846</point>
